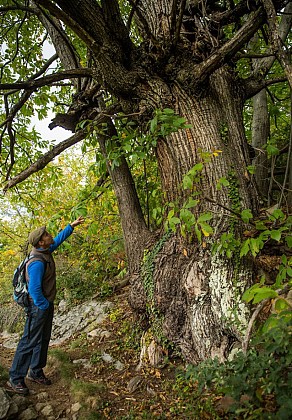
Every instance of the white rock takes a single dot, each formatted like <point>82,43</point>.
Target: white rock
<point>107,358</point>
<point>119,365</point>
<point>76,407</point>
<point>47,411</point>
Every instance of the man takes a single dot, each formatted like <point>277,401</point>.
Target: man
<point>31,354</point>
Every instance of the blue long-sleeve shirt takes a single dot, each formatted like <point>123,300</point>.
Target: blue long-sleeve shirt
<point>36,271</point>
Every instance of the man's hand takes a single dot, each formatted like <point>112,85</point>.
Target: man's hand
<point>77,221</point>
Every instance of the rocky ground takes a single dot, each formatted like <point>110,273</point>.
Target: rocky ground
<point>93,366</point>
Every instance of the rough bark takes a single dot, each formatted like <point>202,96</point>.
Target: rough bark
<point>136,234</point>
<point>260,133</point>
<point>197,294</point>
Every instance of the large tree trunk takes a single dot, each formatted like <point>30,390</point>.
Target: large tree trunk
<point>194,294</point>
<point>135,232</point>
<point>260,133</point>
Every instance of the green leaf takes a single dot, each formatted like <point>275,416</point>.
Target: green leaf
<point>197,168</point>
<point>170,214</point>
<point>222,182</point>
<point>187,216</point>
<point>270,323</point>
<point>246,215</point>
<point>276,235</point>
<point>168,111</point>
<point>93,228</point>
<point>191,203</point>
<point>281,304</point>
<point>245,248</point>
<point>205,217</point>
<point>153,125</point>
<point>250,292</point>
<point>272,150</point>
<point>278,214</point>
<point>264,293</point>
<point>251,169</point>
<point>187,182</point>
<point>198,233</point>
<point>173,222</point>
<point>288,240</point>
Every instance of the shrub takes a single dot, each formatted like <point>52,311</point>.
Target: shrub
<point>258,382</point>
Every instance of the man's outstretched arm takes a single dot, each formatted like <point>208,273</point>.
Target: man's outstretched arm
<point>65,233</point>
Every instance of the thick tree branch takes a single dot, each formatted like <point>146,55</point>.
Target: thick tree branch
<point>67,20</point>
<point>203,70</point>
<point>4,9</point>
<point>173,18</point>
<point>276,41</point>
<point>48,80</point>
<point>263,66</point>
<point>143,22</point>
<point>179,22</point>
<point>48,157</point>
<point>63,46</point>
<point>55,151</point>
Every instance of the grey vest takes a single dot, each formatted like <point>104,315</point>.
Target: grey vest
<point>49,278</point>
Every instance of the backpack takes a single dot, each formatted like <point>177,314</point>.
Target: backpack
<point>19,283</point>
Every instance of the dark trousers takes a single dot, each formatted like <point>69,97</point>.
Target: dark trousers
<point>32,349</point>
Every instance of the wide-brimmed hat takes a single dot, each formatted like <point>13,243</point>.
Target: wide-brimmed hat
<point>36,235</point>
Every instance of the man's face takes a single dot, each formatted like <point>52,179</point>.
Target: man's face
<point>46,240</point>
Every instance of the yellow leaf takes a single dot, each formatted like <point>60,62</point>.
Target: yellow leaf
<point>205,233</point>
<point>185,252</point>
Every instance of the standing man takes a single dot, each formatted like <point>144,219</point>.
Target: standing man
<point>31,354</point>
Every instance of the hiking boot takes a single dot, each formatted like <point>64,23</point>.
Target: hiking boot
<point>40,379</point>
<point>19,387</point>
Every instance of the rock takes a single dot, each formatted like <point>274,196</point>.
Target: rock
<point>80,361</point>
<point>86,316</point>
<point>43,396</point>
<point>107,358</point>
<point>95,332</point>
<point>85,362</point>
<point>62,306</point>
<point>155,354</point>
<point>47,411</point>
<point>79,318</point>
<point>10,340</point>
<point>39,406</point>
<point>76,407</point>
<point>119,365</point>
<point>13,410</point>
<point>20,401</point>
<point>151,391</point>
<point>28,414</point>
<point>134,384</point>
<point>5,402</point>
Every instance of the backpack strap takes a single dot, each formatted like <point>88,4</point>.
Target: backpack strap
<point>37,258</point>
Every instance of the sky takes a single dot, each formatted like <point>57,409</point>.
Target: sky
<point>42,126</point>
<point>57,133</point>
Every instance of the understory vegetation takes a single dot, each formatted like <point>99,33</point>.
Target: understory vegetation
<point>254,383</point>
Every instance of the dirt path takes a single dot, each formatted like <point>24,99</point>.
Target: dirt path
<point>85,386</point>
